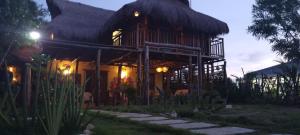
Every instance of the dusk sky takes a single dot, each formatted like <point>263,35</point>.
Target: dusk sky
<point>242,50</point>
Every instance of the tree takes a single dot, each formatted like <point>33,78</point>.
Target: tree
<point>17,17</point>
<point>278,22</point>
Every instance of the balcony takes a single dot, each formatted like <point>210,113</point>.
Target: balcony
<point>217,48</point>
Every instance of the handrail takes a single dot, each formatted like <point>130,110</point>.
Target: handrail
<point>175,46</point>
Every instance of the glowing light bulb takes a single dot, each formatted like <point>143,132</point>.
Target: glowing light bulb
<point>34,35</point>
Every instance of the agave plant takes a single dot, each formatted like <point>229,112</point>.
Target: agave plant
<point>56,107</point>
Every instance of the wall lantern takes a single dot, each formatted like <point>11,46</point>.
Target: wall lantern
<point>162,69</point>
<point>159,69</point>
<point>124,73</point>
<point>136,13</point>
<point>66,70</point>
<point>165,69</point>
<point>13,71</point>
<point>10,69</point>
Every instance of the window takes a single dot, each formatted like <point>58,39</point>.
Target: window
<point>117,37</point>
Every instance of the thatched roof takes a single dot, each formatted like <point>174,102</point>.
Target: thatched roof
<point>174,13</point>
<point>76,21</point>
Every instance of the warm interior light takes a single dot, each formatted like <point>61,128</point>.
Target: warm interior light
<point>165,69</point>
<point>14,79</point>
<point>136,13</point>
<point>67,72</point>
<point>11,69</point>
<point>34,35</point>
<point>65,68</point>
<point>124,73</point>
<point>159,69</point>
<point>162,69</point>
<point>116,37</point>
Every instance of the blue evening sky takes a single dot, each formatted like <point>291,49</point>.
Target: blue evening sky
<point>242,50</point>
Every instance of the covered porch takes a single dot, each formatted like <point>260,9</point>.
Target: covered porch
<point>151,70</point>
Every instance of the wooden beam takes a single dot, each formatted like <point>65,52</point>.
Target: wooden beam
<point>98,76</point>
<point>27,86</point>
<point>76,72</point>
<point>139,73</point>
<point>119,75</point>
<point>120,58</point>
<point>191,73</point>
<point>200,80</point>
<point>172,46</point>
<point>88,45</point>
<point>147,70</point>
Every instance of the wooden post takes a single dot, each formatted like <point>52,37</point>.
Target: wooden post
<point>277,86</point>
<point>138,35</point>
<point>98,92</point>
<point>191,73</point>
<point>27,85</point>
<point>119,75</point>
<point>76,72</point>
<point>139,74</point>
<point>199,74</point>
<point>147,70</point>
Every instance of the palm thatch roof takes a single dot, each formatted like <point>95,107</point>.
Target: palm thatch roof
<point>76,21</point>
<point>174,13</point>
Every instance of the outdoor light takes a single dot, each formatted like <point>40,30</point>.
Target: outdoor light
<point>34,35</point>
<point>10,69</point>
<point>66,69</point>
<point>136,13</point>
<point>67,72</point>
<point>162,69</point>
<point>124,73</point>
<point>159,69</point>
<point>165,69</point>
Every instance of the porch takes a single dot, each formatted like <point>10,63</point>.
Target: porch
<point>107,67</point>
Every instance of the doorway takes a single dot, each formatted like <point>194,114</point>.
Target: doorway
<point>91,85</point>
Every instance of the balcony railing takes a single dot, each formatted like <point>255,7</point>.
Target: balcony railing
<point>209,47</point>
<point>217,47</point>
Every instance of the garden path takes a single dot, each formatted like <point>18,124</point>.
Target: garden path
<point>194,127</point>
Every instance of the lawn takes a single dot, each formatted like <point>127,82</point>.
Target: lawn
<point>264,118</point>
<point>108,125</point>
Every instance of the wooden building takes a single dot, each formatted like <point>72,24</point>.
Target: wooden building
<point>150,44</point>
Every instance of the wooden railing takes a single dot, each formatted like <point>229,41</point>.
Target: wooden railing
<point>209,47</point>
<point>217,47</point>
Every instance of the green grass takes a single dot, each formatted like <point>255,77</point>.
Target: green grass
<point>264,118</point>
<point>108,125</point>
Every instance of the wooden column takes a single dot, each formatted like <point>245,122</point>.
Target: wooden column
<point>212,69</point>
<point>27,86</point>
<point>139,74</point>
<point>76,72</point>
<point>137,36</point>
<point>277,86</point>
<point>199,62</point>
<point>147,70</point>
<point>191,73</point>
<point>119,75</point>
<point>98,76</point>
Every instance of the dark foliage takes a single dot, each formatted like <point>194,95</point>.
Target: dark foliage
<point>278,22</point>
<point>17,18</point>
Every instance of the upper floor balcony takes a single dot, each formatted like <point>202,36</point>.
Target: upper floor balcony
<point>165,41</point>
